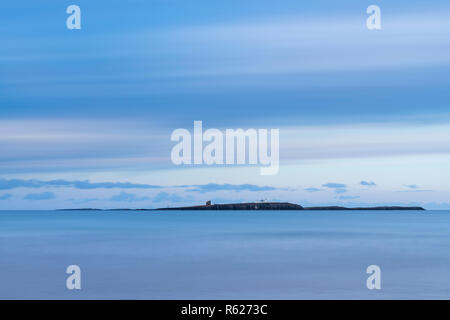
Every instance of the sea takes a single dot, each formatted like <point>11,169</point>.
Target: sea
<point>225,254</point>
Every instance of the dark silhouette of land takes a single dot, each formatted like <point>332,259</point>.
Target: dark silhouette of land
<point>277,206</point>
<point>280,206</point>
<point>365,208</point>
<point>243,206</point>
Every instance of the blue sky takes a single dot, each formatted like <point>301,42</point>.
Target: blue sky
<point>96,106</point>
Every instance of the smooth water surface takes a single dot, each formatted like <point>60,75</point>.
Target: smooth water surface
<point>225,254</point>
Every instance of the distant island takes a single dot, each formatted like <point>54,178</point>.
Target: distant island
<point>242,206</point>
<point>280,206</point>
<point>365,208</point>
<point>277,206</point>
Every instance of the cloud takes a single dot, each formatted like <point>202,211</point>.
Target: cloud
<point>211,187</point>
<point>332,141</point>
<point>40,196</point>
<point>337,187</point>
<point>86,184</point>
<point>313,189</point>
<point>5,196</point>
<point>333,185</point>
<point>127,197</point>
<point>169,197</point>
<point>277,44</point>
<point>83,200</point>
<point>6,184</point>
<point>348,197</point>
<point>415,188</point>
<point>368,183</point>
<point>391,138</point>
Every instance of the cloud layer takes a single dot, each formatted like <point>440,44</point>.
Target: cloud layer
<point>40,196</point>
<point>6,184</point>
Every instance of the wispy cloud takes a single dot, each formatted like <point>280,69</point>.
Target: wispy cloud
<point>313,189</point>
<point>296,44</point>
<point>6,196</point>
<point>35,184</point>
<point>415,188</point>
<point>169,197</point>
<point>128,197</point>
<point>40,196</point>
<point>348,197</point>
<point>211,187</point>
<point>334,185</point>
<point>83,200</point>
<point>337,187</point>
<point>365,140</point>
<point>6,184</point>
<point>137,146</point>
<point>368,183</point>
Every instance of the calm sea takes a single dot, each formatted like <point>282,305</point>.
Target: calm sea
<point>225,254</point>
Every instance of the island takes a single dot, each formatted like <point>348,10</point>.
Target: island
<point>242,206</point>
<point>263,205</point>
<point>365,208</point>
<point>280,206</point>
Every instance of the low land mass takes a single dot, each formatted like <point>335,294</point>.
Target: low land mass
<point>365,208</point>
<point>243,206</point>
<point>281,206</point>
<point>256,206</point>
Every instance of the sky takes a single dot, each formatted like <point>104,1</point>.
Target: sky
<point>86,115</point>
